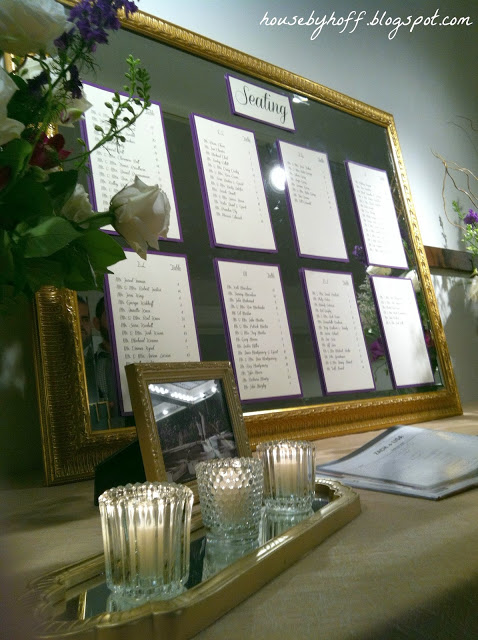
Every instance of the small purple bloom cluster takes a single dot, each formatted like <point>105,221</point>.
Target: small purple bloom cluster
<point>93,18</point>
<point>471,218</point>
<point>377,349</point>
<point>359,253</point>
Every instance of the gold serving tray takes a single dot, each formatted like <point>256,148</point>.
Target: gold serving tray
<point>60,596</point>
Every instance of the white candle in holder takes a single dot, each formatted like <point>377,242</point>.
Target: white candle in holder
<point>286,476</point>
<point>230,493</point>
<point>146,536</point>
<point>231,496</point>
<point>289,474</point>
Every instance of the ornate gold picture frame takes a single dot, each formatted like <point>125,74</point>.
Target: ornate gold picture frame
<point>186,68</point>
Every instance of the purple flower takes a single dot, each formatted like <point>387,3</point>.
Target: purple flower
<point>35,85</point>
<point>471,217</point>
<point>63,42</point>
<point>93,18</point>
<point>359,253</point>
<point>74,83</point>
<point>376,349</point>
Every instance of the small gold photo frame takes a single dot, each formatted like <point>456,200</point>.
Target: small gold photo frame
<point>185,413</point>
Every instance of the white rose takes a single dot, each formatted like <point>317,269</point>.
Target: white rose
<point>78,207</point>
<point>413,276</point>
<point>378,271</point>
<point>31,26</point>
<point>142,215</point>
<point>9,128</point>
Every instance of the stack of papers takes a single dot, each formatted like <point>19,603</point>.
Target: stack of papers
<point>410,461</point>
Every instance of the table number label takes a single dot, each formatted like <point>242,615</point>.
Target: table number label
<point>376,213</point>
<point>403,331</point>
<point>144,154</point>
<point>345,365</point>
<point>151,313</point>
<point>258,330</point>
<point>312,202</point>
<point>233,191</point>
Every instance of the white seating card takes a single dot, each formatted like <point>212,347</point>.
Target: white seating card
<point>344,361</point>
<point>231,181</point>
<point>144,154</point>
<point>258,330</point>
<point>151,313</point>
<point>312,201</point>
<point>377,217</point>
<point>403,331</point>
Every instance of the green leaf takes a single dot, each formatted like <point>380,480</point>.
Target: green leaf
<point>27,200</point>
<point>47,237</point>
<point>43,271</point>
<point>78,273</point>
<point>60,187</point>
<point>14,155</point>
<point>103,250</point>
<point>7,265</point>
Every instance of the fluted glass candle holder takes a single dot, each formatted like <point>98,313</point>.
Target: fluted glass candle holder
<point>146,536</point>
<point>289,475</point>
<point>230,493</point>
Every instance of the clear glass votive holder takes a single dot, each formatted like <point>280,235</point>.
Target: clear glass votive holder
<point>219,553</point>
<point>146,537</point>
<point>230,493</point>
<point>274,523</point>
<point>289,475</point>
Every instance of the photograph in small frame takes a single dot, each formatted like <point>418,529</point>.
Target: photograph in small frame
<point>185,413</point>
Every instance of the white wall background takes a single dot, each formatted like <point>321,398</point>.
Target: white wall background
<point>427,79</point>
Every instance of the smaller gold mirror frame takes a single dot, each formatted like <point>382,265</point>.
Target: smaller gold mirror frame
<point>175,57</point>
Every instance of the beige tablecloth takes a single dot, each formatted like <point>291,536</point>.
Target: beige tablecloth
<point>404,568</point>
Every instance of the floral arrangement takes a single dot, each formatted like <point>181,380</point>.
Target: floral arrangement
<point>368,312</point>
<point>49,234</point>
<point>463,180</point>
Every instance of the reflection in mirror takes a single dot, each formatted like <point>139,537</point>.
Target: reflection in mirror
<point>103,400</point>
<point>193,424</point>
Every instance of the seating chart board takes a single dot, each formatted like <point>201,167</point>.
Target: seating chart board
<point>151,314</point>
<point>258,330</point>
<point>144,154</point>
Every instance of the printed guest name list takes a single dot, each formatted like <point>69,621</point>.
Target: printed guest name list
<point>403,331</point>
<point>144,154</point>
<point>312,202</point>
<point>258,330</point>
<point>151,313</point>
<point>338,331</point>
<point>233,191</point>
<point>378,220</point>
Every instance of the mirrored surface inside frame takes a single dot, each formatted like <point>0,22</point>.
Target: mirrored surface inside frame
<point>189,76</point>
